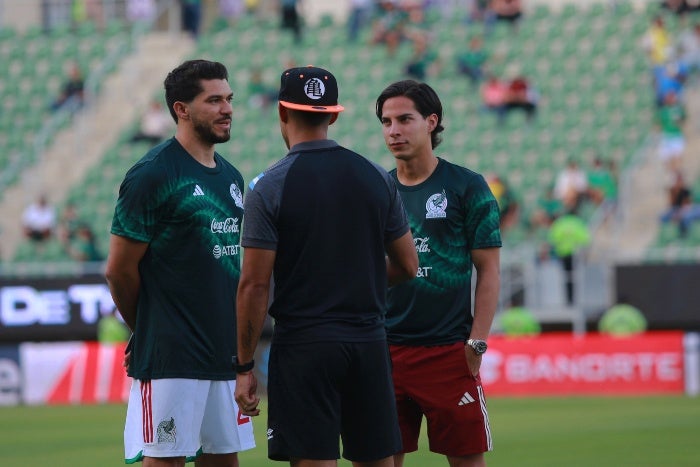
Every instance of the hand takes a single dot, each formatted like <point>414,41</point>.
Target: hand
<point>473,360</point>
<point>127,359</point>
<point>247,400</point>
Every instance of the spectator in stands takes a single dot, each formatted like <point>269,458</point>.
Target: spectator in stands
<point>231,10</point>
<point>72,93</point>
<point>508,11</point>
<point>680,7</point>
<point>83,11</point>
<point>670,78</point>
<point>670,118</point>
<point>546,211</point>
<point>508,206</point>
<point>39,220</point>
<point>156,124</point>
<point>83,246</point>
<point>446,9</point>
<point>522,96</point>
<point>388,28</point>
<point>68,223</point>
<point>571,186</point>
<point>191,12</point>
<point>689,48</point>
<point>471,62</point>
<point>260,95</point>
<point>252,7</point>
<point>477,10</point>
<point>682,209</point>
<point>290,19</point>
<point>602,184</point>
<point>416,19</point>
<point>424,61</point>
<point>140,11</point>
<point>359,17</point>
<point>111,329</point>
<point>493,96</point>
<point>657,43</point>
<point>568,236</point>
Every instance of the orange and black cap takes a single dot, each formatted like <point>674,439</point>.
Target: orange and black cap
<point>310,89</point>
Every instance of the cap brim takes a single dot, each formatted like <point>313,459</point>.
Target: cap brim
<point>328,109</point>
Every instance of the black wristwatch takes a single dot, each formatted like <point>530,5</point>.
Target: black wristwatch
<point>242,368</point>
<point>478,346</point>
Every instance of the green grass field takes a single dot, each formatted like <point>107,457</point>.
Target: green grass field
<point>576,431</point>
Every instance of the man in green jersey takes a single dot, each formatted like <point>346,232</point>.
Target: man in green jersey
<point>173,271</point>
<point>436,343</point>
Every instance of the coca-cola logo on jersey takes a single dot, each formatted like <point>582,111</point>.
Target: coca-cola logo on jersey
<point>229,225</point>
<point>422,245</point>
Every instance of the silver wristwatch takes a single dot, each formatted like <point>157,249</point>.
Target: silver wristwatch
<point>478,346</point>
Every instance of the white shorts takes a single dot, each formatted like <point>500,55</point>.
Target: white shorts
<point>671,146</point>
<point>184,417</point>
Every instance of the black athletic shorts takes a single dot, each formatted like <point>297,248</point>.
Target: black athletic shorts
<point>321,393</point>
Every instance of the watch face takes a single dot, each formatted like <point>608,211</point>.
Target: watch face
<point>479,347</point>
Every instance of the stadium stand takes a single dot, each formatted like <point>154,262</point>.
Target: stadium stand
<point>31,73</point>
<point>582,113</point>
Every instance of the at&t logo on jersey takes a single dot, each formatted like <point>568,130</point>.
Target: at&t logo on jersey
<point>229,225</point>
<point>436,206</point>
<point>424,271</point>
<point>225,250</point>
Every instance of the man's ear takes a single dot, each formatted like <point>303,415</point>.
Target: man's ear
<point>334,117</point>
<point>432,122</point>
<point>181,110</point>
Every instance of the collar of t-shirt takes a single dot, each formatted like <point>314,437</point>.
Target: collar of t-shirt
<point>310,145</point>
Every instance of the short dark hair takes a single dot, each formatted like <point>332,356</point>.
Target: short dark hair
<point>311,119</point>
<point>183,84</point>
<point>424,98</point>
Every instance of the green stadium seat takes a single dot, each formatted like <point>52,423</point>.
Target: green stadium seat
<point>555,48</point>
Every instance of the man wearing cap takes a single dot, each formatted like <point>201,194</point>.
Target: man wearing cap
<point>331,226</point>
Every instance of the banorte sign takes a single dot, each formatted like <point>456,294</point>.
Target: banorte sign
<point>565,364</point>
<point>550,364</point>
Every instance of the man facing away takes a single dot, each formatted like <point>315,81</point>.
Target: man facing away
<point>331,227</point>
<point>436,344</point>
<point>173,271</point>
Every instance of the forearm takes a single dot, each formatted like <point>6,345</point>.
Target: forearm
<point>401,260</point>
<point>251,308</point>
<point>486,296</point>
<point>395,274</point>
<point>125,293</point>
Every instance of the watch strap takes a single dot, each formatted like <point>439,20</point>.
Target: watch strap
<point>243,367</point>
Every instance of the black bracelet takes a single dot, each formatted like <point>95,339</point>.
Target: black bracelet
<point>244,368</point>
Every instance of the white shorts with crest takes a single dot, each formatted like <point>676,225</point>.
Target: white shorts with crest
<point>184,417</point>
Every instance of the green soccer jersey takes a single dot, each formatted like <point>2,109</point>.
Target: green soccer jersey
<point>451,213</point>
<point>190,215</point>
<point>670,119</point>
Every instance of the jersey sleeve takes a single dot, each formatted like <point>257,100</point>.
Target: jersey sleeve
<point>482,216</point>
<point>141,200</point>
<point>397,223</point>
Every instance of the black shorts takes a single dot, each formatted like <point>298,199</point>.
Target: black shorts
<point>321,393</point>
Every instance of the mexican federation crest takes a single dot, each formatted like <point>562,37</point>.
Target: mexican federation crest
<point>236,195</point>
<point>436,206</point>
<point>166,432</point>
